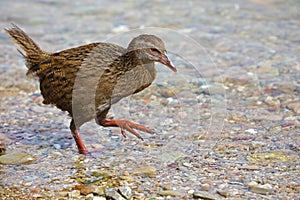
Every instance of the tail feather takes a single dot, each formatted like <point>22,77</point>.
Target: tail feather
<point>32,51</point>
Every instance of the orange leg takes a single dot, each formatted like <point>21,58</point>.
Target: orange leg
<point>76,135</point>
<point>126,125</point>
<point>80,145</point>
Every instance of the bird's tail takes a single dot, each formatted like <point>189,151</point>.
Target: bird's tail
<point>33,54</point>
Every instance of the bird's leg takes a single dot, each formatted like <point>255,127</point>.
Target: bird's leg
<point>80,145</point>
<point>76,135</point>
<point>125,125</point>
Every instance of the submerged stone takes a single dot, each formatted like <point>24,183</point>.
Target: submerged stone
<point>17,158</point>
<point>263,157</point>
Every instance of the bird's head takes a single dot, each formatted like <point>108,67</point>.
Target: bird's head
<point>150,48</point>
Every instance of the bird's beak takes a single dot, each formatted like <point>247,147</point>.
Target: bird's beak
<point>164,59</point>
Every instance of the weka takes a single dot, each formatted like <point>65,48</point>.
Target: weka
<point>109,70</point>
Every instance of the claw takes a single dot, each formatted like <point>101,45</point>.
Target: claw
<point>153,131</point>
<point>128,126</point>
<point>123,132</point>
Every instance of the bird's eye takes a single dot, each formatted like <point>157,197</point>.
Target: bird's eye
<point>154,50</point>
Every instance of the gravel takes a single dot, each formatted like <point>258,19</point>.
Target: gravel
<point>227,123</point>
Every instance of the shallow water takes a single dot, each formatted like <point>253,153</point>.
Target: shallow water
<point>227,121</point>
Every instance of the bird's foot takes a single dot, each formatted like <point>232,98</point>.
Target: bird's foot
<point>128,126</point>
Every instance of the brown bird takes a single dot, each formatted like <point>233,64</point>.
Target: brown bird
<point>86,80</point>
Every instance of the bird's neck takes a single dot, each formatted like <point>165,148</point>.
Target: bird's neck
<point>130,61</point>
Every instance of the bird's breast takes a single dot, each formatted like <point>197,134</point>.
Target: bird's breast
<point>133,81</point>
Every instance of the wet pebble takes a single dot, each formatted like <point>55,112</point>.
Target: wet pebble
<point>203,195</point>
<point>57,146</point>
<point>88,189</point>
<point>264,157</point>
<point>269,117</point>
<point>260,189</point>
<point>164,102</point>
<point>37,196</point>
<point>35,190</point>
<point>275,129</point>
<point>146,171</point>
<point>4,138</point>
<point>17,158</point>
<point>140,196</point>
<point>39,109</point>
<point>63,194</point>
<point>236,182</point>
<point>224,193</point>
<point>112,193</point>
<point>125,191</point>
<point>294,106</point>
<point>186,164</point>
<point>172,193</point>
<point>205,187</point>
<point>165,92</point>
<point>30,178</point>
<point>89,196</point>
<point>251,131</point>
<point>74,194</point>
<point>27,184</point>
<point>128,179</point>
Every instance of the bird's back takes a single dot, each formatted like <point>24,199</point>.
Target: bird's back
<point>58,73</point>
